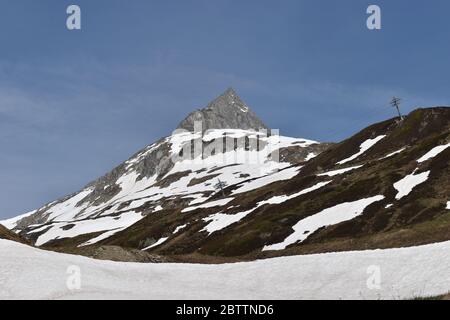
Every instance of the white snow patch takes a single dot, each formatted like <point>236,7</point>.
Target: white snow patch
<point>433,152</point>
<point>220,221</point>
<point>408,183</point>
<point>243,109</point>
<point>216,203</point>
<point>393,153</point>
<point>200,199</point>
<point>339,171</point>
<point>388,206</point>
<point>366,145</point>
<point>448,205</point>
<point>179,228</point>
<point>285,174</point>
<point>103,236</point>
<point>157,243</point>
<point>310,156</point>
<point>283,198</point>
<point>334,215</point>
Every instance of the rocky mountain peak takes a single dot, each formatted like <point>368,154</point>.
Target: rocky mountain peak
<point>228,99</point>
<point>227,111</point>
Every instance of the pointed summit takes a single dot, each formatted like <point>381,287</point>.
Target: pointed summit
<point>228,99</point>
<point>227,111</point>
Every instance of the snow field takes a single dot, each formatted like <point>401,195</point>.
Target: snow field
<point>404,273</point>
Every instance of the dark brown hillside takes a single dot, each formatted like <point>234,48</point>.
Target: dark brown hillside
<point>9,235</point>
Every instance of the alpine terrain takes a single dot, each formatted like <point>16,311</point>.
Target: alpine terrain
<point>159,183</point>
<point>224,187</point>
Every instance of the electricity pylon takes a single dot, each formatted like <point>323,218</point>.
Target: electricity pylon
<point>395,102</point>
<point>220,185</point>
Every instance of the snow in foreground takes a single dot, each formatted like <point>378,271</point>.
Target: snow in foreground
<point>30,273</point>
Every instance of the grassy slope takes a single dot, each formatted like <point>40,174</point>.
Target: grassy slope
<point>9,235</point>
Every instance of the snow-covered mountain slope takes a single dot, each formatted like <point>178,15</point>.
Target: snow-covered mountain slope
<point>30,273</point>
<point>221,192</point>
<point>227,145</point>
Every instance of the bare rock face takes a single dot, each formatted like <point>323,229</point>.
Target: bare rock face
<point>227,111</point>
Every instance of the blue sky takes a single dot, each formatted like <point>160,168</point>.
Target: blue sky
<point>73,104</point>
